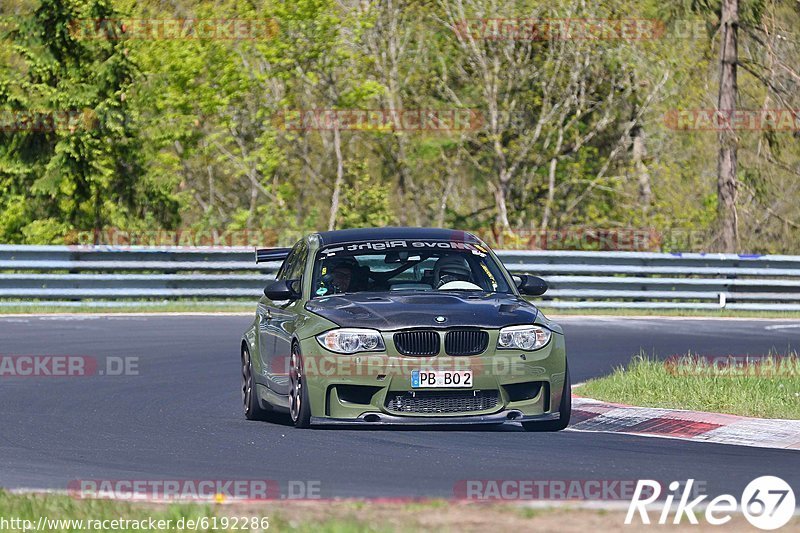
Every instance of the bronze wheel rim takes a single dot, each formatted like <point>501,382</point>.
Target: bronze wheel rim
<point>295,387</point>
<point>247,382</point>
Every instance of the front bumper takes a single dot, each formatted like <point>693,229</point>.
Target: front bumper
<point>383,419</point>
<point>358,390</point>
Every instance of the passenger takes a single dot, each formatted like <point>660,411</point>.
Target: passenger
<point>451,268</point>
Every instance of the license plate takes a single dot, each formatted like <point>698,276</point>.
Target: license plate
<point>435,379</point>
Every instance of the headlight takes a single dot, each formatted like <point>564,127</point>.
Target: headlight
<point>352,340</point>
<point>523,338</point>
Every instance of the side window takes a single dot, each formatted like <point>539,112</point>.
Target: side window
<point>298,265</point>
<point>295,263</point>
<point>286,267</point>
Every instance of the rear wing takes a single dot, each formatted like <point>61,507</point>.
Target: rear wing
<point>264,255</point>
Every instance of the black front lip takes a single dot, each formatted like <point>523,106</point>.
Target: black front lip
<point>383,419</point>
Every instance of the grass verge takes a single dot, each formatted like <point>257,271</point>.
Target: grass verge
<point>320,516</point>
<point>766,387</point>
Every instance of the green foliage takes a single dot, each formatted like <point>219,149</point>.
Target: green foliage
<point>87,173</point>
<point>766,387</point>
<point>186,133</point>
<point>366,203</point>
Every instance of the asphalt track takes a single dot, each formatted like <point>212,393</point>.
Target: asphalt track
<point>180,417</point>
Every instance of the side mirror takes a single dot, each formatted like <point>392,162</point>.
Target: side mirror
<point>531,285</point>
<point>282,290</point>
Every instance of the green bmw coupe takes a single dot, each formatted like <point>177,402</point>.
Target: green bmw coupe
<point>399,326</point>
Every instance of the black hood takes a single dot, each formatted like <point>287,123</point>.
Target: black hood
<point>396,310</point>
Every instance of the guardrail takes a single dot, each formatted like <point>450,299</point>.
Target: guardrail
<point>76,275</point>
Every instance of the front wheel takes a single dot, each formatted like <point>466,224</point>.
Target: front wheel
<point>564,411</point>
<point>299,407</point>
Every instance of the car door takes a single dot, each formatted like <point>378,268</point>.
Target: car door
<point>266,332</point>
<point>282,320</point>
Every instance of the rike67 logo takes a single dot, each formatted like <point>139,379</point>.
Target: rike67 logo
<point>767,502</point>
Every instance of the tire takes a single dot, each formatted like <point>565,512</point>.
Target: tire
<point>299,406</point>
<point>564,410</point>
<point>252,407</point>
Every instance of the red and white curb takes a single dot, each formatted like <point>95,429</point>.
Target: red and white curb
<point>594,415</point>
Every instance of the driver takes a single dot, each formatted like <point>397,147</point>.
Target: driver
<point>340,272</point>
<point>451,268</point>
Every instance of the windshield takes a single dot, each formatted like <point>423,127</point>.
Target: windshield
<point>406,266</point>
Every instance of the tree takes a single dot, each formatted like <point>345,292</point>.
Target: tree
<point>549,103</point>
<point>728,142</point>
<point>86,173</point>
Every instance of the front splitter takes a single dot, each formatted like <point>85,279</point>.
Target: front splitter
<point>383,419</point>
